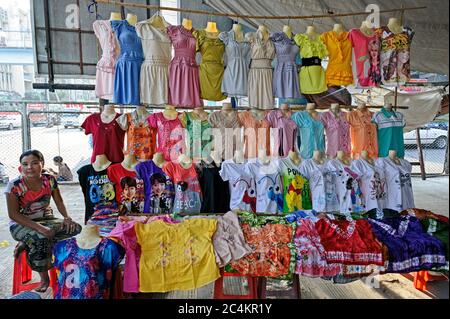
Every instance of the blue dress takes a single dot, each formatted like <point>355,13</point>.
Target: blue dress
<point>128,67</point>
<point>311,133</point>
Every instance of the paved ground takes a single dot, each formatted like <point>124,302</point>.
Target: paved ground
<point>431,194</point>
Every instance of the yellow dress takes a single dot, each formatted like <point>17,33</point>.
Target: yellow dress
<point>339,69</point>
<point>211,67</point>
<point>176,256</point>
<point>312,78</point>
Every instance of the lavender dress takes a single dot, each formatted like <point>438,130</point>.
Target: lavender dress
<point>184,79</point>
<point>285,77</point>
<point>410,248</point>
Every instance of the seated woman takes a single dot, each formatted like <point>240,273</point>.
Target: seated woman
<point>64,174</point>
<point>32,222</point>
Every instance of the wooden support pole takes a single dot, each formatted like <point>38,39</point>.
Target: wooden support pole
<point>420,150</point>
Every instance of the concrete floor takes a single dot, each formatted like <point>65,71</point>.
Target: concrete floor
<point>431,194</point>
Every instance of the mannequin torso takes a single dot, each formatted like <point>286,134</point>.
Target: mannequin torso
<point>132,19</point>
<point>101,163</point>
<point>365,156</point>
<point>170,113</point>
<point>184,161</point>
<point>393,157</point>
<point>159,160</point>
<point>366,29</point>
<point>338,28</point>
<point>311,32</point>
<point>295,158</point>
<point>201,113</point>
<point>108,114</point>
<point>115,16</point>
<point>288,31</point>
<point>211,30</point>
<point>187,24</point>
<point>142,113</point>
<point>158,22</point>
<point>318,157</point>
<point>258,114</point>
<point>130,162</point>
<point>89,237</point>
<point>394,26</point>
<point>335,109</point>
<point>311,109</point>
<point>216,156</point>
<point>286,110</point>
<point>239,157</point>
<point>265,33</point>
<point>227,110</point>
<point>262,156</point>
<point>238,34</point>
<point>343,158</point>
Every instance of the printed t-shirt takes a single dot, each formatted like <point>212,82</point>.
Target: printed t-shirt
<point>108,139</point>
<point>176,256</point>
<point>296,191</point>
<point>129,189</point>
<point>98,190</point>
<point>158,188</point>
<point>188,195</point>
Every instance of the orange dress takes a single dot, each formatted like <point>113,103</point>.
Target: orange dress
<point>256,134</point>
<point>339,69</point>
<point>363,133</point>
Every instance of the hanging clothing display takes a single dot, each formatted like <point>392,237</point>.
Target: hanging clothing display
<point>216,191</point>
<point>188,194</point>
<point>398,181</point>
<point>311,256</point>
<point>273,252</point>
<point>237,62</point>
<point>256,133</point>
<point>184,81</point>
<point>211,66</point>
<point>231,139</point>
<point>366,59</point>
<point>242,186</point>
<point>129,189</point>
<point>395,55</point>
<point>409,247</point>
<point>296,190</point>
<point>349,242</point>
<point>363,133</point>
<point>337,131</point>
<point>170,135</point>
<point>285,78</point>
<point>128,66</point>
<point>373,184</point>
<point>199,138</point>
<point>347,187</point>
<point>311,133</point>
<point>141,138</point>
<point>158,188</point>
<point>390,132</point>
<point>260,75</point>
<point>323,186</point>
<point>183,260</point>
<point>269,185</point>
<point>339,68</point>
<point>104,77</point>
<point>98,190</point>
<point>85,273</point>
<point>108,138</point>
<point>157,49</point>
<point>285,131</point>
<point>312,75</point>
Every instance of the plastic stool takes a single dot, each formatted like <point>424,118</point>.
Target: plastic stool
<point>22,274</point>
<point>252,287</point>
<point>422,277</point>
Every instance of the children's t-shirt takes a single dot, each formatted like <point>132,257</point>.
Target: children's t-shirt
<point>158,187</point>
<point>170,135</point>
<point>129,189</point>
<point>98,190</point>
<point>296,190</point>
<point>188,195</point>
<point>242,186</point>
<point>108,138</point>
<point>269,186</point>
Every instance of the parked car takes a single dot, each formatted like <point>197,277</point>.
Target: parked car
<point>439,125</point>
<point>69,120</point>
<point>432,137</point>
<point>3,177</point>
<point>10,121</point>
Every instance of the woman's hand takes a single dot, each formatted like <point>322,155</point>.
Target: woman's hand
<point>69,225</point>
<point>48,232</point>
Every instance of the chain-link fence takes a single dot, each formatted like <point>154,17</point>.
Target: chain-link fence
<point>10,144</point>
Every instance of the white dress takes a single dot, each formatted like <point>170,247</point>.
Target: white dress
<point>398,180</point>
<point>322,184</point>
<point>269,186</point>
<point>373,184</point>
<point>154,79</point>
<point>347,187</point>
<point>242,186</point>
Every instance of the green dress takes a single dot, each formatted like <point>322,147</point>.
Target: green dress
<point>199,142</point>
<point>211,67</point>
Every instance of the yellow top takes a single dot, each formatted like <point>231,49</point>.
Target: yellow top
<point>176,256</point>
<point>339,69</point>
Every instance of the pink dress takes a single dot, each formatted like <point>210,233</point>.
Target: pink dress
<point>170,135</point>
<point>104,86</point>
<point>184,79</point>
<point>337,131</point>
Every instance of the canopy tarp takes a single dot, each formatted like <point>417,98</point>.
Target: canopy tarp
<point>429,52</point>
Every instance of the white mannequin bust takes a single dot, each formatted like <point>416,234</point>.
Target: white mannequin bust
<point>311,109</point>
<point>395,26</point>
<point>287,29</point>
<point>262,156</point>
<point>285,109</point>
<point>187,24</point>
<point>211,28</point>
<point>366,29</point>
<point>170,113</point>
<point>338,28</point>
<point>132,19</point>
<point>318,157</point>
<point>335,108</point>
<point>365,156</point>
<point>342,157</point>
<point>239,157</point>
<point>264,31</point>
<point>201,113</point>
<point>130,162</point>
<point>388,106</point>
<point>295,158</point>
<point>238,34</point>
<point>393,157</point>
<point>115,16</point>
<point>311,32</point>
<point>101,163</point>
<point>227,109</point>
<point>158,159</point>
<point>185,161</point>
<point>108,114</point>
<point>89,237</point>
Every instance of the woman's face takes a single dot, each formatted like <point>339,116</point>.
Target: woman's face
<point>403,57</point>
<point>31,166</point>
<point>158,188</point>
<point>129,192</point>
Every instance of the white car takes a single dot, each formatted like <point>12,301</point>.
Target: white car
<point>10,121</point>
<point>433,137</point>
